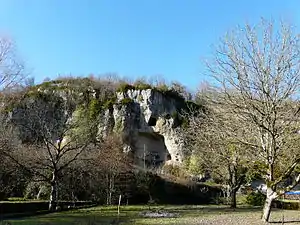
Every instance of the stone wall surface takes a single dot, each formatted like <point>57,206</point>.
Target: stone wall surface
<point>149,126</point>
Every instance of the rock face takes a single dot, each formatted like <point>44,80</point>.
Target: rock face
<point>150,125</point>
<point>149,120</point>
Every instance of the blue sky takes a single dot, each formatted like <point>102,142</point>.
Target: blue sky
<point>129,37</point>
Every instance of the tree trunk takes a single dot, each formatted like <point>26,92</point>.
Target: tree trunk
<point>57,190</point>
<point>150,196</point>
<point>53,194</point>
<point>107,190</point>
<point>150,201</point>
<point>271,195</point>
<point>232,194</point>
<point>38,196</point>
<point>267,209</point>
<point>110,188</point>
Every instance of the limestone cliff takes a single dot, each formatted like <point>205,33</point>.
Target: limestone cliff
<point>148,119</point>
<point>150,124</point>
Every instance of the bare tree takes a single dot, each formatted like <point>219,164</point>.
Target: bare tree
<point>11,77</point>
<point>12,177</point>
<point>54,137</point>
<point>11,67</point>
<point>181,90</point>
<point>110,162</point>
<point>258,70</point>
<point>216,149</point>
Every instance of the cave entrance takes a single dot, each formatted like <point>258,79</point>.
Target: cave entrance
<point>152,121</point>
<point>151,150</point>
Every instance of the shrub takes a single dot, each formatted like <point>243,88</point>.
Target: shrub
<point>184,123</point>
<point>109,103</point>
<point>286,205</point>
<point>255,199</point>
<point>36,190</point>
<point>173,170</point>
<point>94,108</point>
<point>175,115</point>
<point>140,98</point>
<point>192,106</point>
<point>126,101</point>
<point>34,206</point>
<point>118,125</point>
<point>46,84</point>
<point>142,86</point>
<point>163,88</point>
<point>124,87</point>
<point>138,85</point>
<point>16,199</point>
<point>22,207</point>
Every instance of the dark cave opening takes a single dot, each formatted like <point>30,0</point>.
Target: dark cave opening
<point>152,121</point>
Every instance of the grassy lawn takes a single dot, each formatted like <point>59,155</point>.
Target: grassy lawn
<point>203,215</point>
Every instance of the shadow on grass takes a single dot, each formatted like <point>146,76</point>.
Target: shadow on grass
<point>77,218</point>
<point>210,209</point>
<point>221,209</point>
<point>108,215</point>
<point>285,221</point>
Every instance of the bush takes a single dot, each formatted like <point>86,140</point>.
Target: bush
<point>193,107</point>
<point>126,101</point>
<point>286,205</point>
<point>184,123</point>
<point>37,190</point>
<point>255,199</point>
<point>140,85</point>
<point>94,108</point>
<point>35,206</point>
<point>16,199</point>
<point>163,88</point>
<point>124,87</point>
<point>109,102</point>
<point>22,207</point>
<point>173,170</point>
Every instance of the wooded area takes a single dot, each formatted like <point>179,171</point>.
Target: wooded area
<point>241,126</point>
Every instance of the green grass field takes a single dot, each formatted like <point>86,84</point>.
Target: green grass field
<point>204,215</point>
